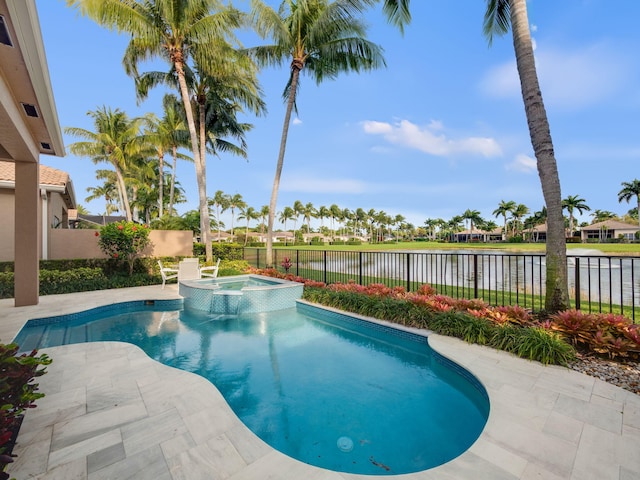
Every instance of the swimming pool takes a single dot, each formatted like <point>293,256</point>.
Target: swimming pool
<point>325,388</point>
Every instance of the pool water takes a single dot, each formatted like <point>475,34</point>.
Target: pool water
<point>240,284</point>
<point>322,387</point>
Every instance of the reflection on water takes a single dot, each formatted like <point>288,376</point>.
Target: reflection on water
<point>599,278</point>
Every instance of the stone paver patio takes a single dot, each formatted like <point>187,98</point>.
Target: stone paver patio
<point>110,412</point>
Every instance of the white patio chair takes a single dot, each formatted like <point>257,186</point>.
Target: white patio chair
<point>167,273</point>
<point>188,269</point>
<point>211,271</point>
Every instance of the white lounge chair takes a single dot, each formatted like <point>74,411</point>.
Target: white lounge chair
<point>211,271</point>
<point>167,273</point>
<point>189,269</point>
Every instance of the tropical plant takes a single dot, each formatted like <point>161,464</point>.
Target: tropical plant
<point>169,134</point>
<point>248,214</point>
<point>18,392</point>
<point>571,203</point>
<point>474,218</point>
<point>630,190</point>
<point>114,141</point>
<point>175,31</point>
<point>517,214</point>
<point>499,16</point>
<point>602,215</point>
<point>108,190</point>
<point>320,37</point>
<point>504,209</point>
<point>235,202</point>
<point>124,241</point>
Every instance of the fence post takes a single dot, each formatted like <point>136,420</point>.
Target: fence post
<point>360,268</point>
<point>577,282</point>
<point>475,275</point>
<point>408,272</point>
<point>324,258</point>
<point>297,262</point>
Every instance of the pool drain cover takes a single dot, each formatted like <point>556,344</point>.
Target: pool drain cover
<point>345,444</point>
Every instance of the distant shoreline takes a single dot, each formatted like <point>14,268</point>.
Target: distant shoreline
<point>609,249</point>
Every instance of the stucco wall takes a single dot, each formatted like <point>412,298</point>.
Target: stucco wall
<point>7,214</point>
<point>68,244</point>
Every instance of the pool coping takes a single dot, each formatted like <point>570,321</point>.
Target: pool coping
<point>110,411</point>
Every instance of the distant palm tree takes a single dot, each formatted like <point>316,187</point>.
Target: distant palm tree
<point>114,141</point>
<point>264,214</point>
<point>167,134</point>
<point>309,212</point>
<point>630,190</point>
<point>474,218</point>
<point>322,213</point>
<point>335,213</point>
<point>248,214</point>
<point>322,38</point>
<point>286,214</point>
<point>235,202</point>
<point>109,191</point>
<point>504,209</point>
<point>221,202</point>
<point>518,214</point>
<point>602,215</point>
<point>571,203</point>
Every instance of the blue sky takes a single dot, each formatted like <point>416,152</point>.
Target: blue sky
<point>440,130</point>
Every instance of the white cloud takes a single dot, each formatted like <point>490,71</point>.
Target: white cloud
<point>297,121</point>
<point>523,163</point>
<point>569,79</point>
<point>428,139</point>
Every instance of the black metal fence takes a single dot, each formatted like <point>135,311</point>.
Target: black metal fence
<point>596,283</point>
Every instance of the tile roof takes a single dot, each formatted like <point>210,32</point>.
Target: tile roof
<point>611,225</point>
<point>48,175</point>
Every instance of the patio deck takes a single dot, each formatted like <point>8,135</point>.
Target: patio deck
<point>111,412</point>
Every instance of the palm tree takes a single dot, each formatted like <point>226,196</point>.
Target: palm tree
<point>221,202</point>
<point>334,213</point>
<point>167,134</point>
<point>322,38</point>
<point>109,191</point>
<point>602,215</point>
<point>286,214</point>
<point>235,202</point>
<point>248,214</point>
<point>309,212</point>
<point>397,221</point>
<point>264,214</point>
<point>322,213</point>
<point>499,16</point>
<point>174,30</point>
<point>297,209</point>
<point>571,203</point>
<point>114,141</point>
<point>474,218</point>
<point>453,225</point>
<point>504,208</point>
<point>517,215</point>
<point>630,190</point>
<point>173,129</point>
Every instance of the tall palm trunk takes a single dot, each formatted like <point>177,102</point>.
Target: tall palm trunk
<point>557,294</point>
<point>295,67</point>
<point>122,190</point>
<point>205,222</point>
<point>160,183</point>
<point>174,152</point>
